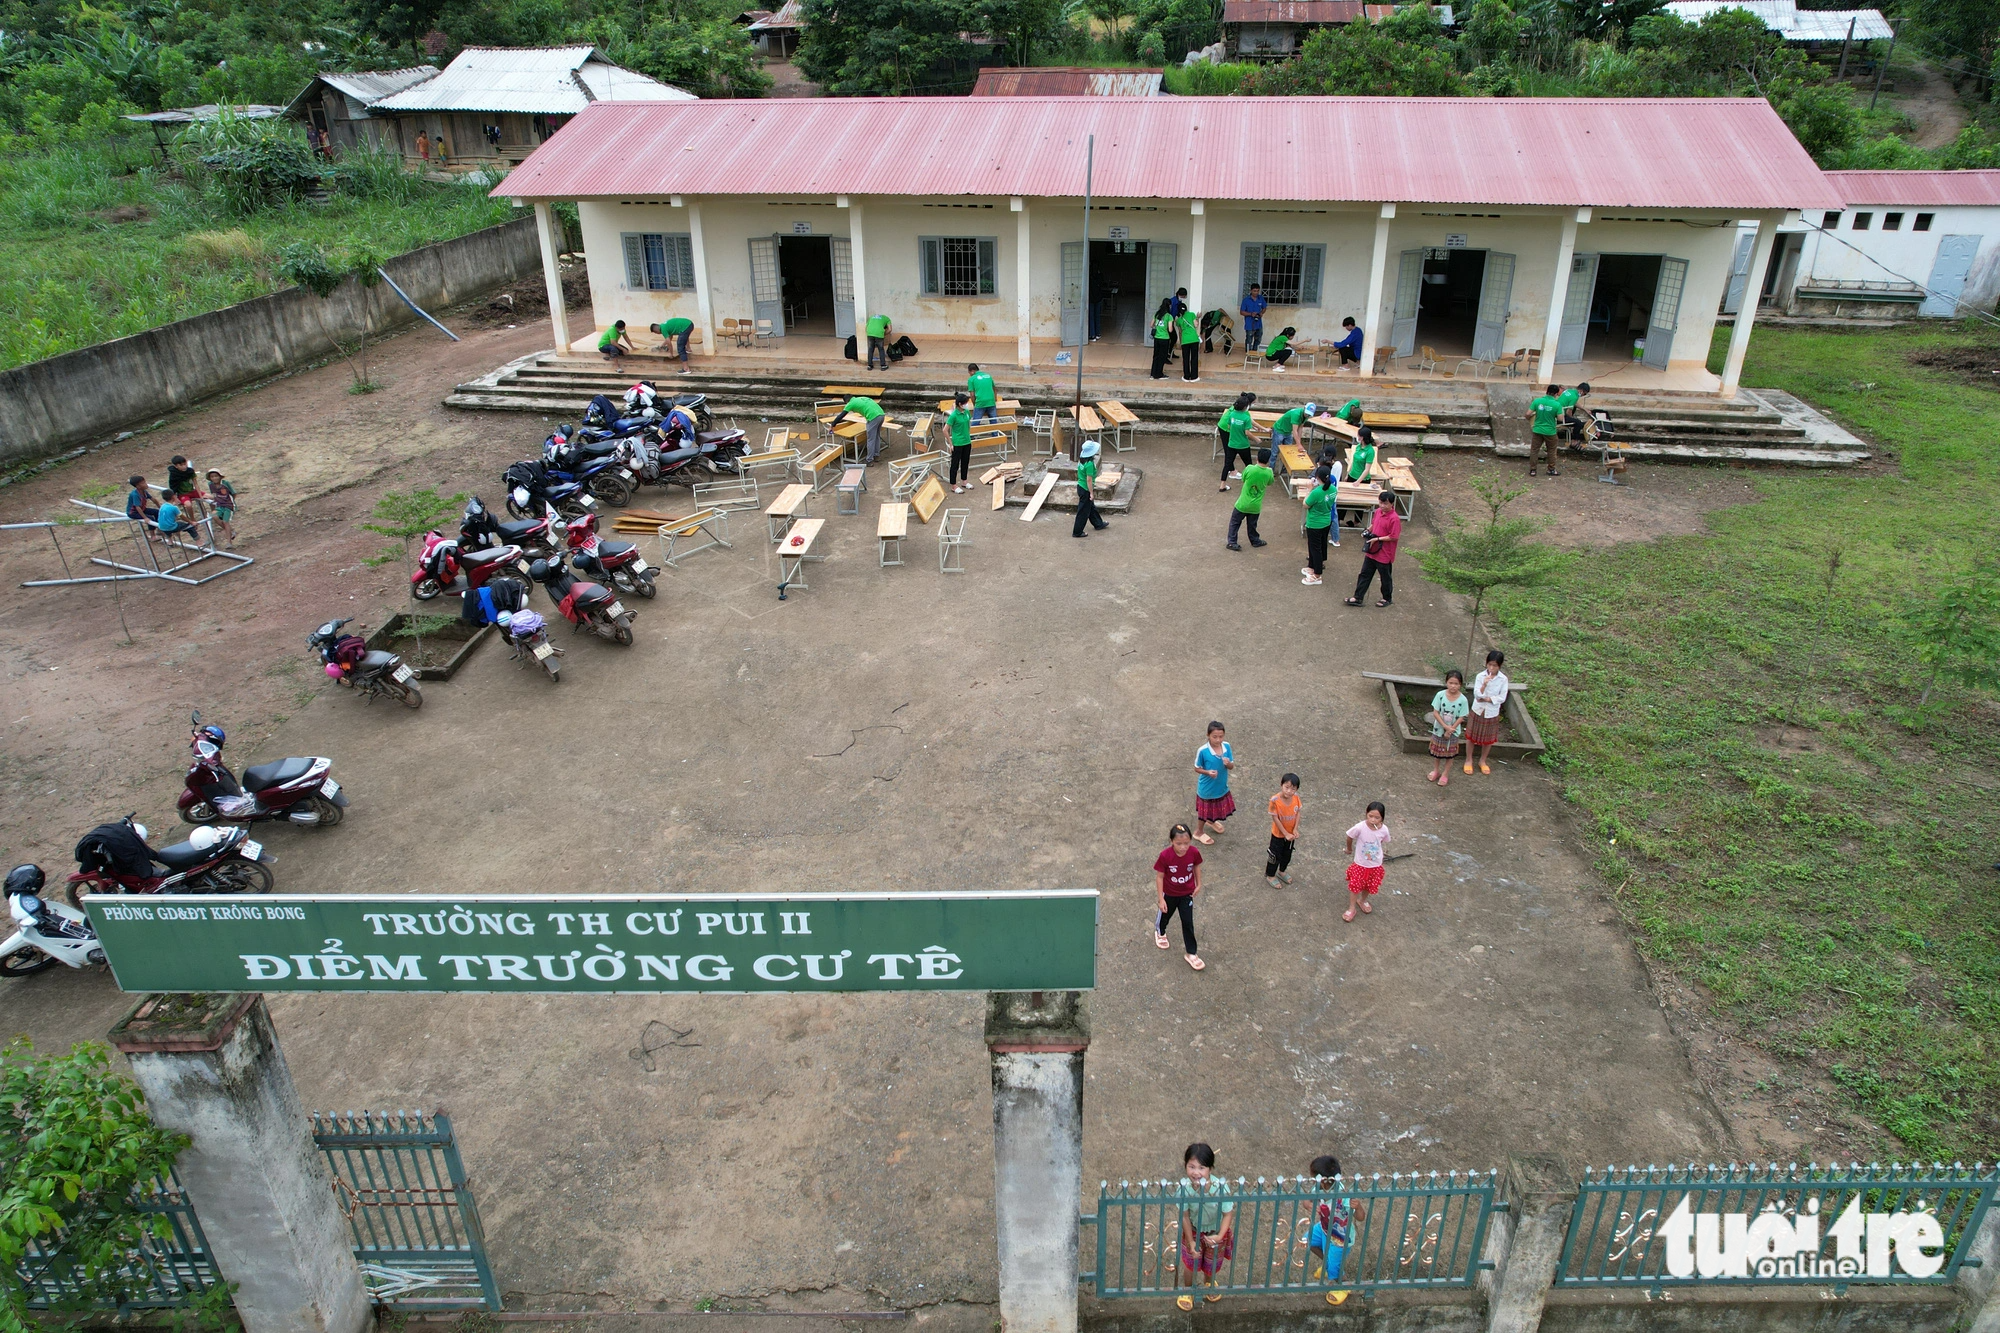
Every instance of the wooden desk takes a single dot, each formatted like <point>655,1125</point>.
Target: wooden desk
<point>851,391</point>
<point>1085,417</point>
<point>1336,426</point>
<point>947,405</point>
<point>818,465</point>
<point>1117,413</point>
<point>1395,420</point>
<point>1294,460</point>
<point>794,551</point>
<point>785,512</point>
<point>891,525</point>
<point>858,428</point>
<point>1124,425</point>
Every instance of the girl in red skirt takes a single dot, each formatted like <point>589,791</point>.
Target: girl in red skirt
<point>1208,1223</point>
<point>1365,842</point>
<point>1212,801</point>
<point>1489,696</point>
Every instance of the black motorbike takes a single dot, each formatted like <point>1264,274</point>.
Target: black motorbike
<point>537,537</point>
<point>369,672</point>
<point>531,490</point>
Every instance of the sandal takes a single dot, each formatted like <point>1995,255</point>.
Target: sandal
<point>1194,961</point>
<point>1367,907</point>
<point>1184,1302</point>
<point>1483,768</point>
<point>1204,840</point>
<point>1336,1298</point>
<point>1354,601</point>
<point>1384,602</point>
<point>1468,765</point>
<point>1210,1300</point>
<point>1431,776</point>
<point>1160,941</point>
<point>1444,779</point>
<point>1348,915</point>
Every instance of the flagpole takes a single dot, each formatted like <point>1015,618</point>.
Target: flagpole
<point>1083,325</point>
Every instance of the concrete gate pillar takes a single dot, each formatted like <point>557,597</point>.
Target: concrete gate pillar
<point>1037,1040</point>
<point>210,1067</point>
<point>1541,1194</point>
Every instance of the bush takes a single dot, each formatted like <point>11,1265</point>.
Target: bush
<point>1491,81</point>
<point>223,248</point>
<point>1825,120</point>
<point>246,165</point>
<point>1202,79</point>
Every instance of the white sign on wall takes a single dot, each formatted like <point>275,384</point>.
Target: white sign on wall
<point>802,229</point>
<point>1120,233</point>
<point>1454,240</point>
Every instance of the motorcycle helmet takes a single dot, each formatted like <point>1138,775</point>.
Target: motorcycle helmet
<point>539,570</point>
<point>25,879</point>
<point>204,837</point>
<point>140,829</point>
<point>213,735</point>
<point>334,670</point>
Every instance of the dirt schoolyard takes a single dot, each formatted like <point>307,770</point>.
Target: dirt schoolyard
<point>1028,724</point>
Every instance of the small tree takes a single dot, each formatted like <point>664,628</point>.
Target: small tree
<point>1473,561</point>
<point>1958,631</point>
<point>306,265</point>
<point>408,517</point>
<point>75,1143</point>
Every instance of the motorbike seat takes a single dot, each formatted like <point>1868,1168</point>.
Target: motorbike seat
<point>672,457</point>
<point>260,776</point>
<point>710,437</point>
<point>589,594</point>
<point>612,550</point>
<point>597,449</point>
<point>488,556</point>
<point>514,532</point>
<point>182,856</point>
<point>377,661</point>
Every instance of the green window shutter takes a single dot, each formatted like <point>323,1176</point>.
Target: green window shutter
<point>1253,268</point>
<point>989,267</point>
<point>680,263</point>
<point>635,263</point>
<point>930,254</point>
<point>1309,271</point>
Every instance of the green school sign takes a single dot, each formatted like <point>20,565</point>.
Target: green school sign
<point>608,946</point>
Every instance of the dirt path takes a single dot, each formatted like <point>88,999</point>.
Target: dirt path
<point>1933,106</point>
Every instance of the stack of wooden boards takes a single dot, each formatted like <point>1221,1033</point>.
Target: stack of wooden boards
<point>644,521</point>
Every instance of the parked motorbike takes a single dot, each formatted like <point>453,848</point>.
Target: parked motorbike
<point>299,790</point>
<point>481,528</point>
<point>220,858</point>
<point>528,635</point>
<point>642,401</point>
<point>657,465</point>
<point>368,671</point>
<point>45,933</point>
<point>445,566</point>
<point>531,490</point>
<point>595,466</point>
<point>584,604</point>
<point>613,562</point>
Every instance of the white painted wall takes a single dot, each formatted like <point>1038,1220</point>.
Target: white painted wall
<point>1909,253</point>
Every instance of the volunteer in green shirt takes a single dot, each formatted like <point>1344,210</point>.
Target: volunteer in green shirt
<point>1163,340</point>
<point>1086,503</point>
<point>1363,456</point>
<point>1234,427</point>
<point>1279,349</point>
<point>1544,412</point>
<point>869,411</point>
<point>1285,430</point>
<point>1250,503</point>
<point>1574,413</point>
<point>676,331</point>
<point>1350,412</point>
<point>613,343</point>
<point>959,426</point>
<point>984,401</point>
<point>878,340</point>
<point>1319,525</point>
<point>1190,331</point>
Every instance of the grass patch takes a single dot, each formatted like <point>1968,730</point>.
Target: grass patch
<point>73,272</point>
<point>1785,827</point>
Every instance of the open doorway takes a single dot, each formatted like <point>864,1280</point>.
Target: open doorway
<point>1621,305</point>
<point>1118,291</point>
<point>1448,308</point>
<point>805,284</point>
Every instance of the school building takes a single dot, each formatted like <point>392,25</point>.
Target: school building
<point>1576,229</point>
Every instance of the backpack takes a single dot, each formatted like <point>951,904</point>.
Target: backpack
<point>349,649</point>
<point>903,347</point>
<point>600,412</point>
<point>114,849</point>
<point>849,353</point>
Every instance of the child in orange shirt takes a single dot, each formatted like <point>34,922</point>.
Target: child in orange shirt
<point>1284,832</point>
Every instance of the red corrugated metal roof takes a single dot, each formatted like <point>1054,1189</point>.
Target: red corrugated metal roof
<point>1291,11</point>
<point>1066,81</point>
<point>1971,189</point>
<point>1641,152</point>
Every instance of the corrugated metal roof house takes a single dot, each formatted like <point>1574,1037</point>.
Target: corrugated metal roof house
<point>1066,81</point>
<point>1455,220</point>
<point>1275,29</point>
<point>778,34</point>
<point>337,104</point>
<point>1785,18</point>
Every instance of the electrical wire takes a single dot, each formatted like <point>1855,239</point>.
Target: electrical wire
<point>1927,290</point>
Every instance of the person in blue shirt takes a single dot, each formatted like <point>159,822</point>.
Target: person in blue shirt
<point>1349,345</point>
<point>139,500</point>
<point>1252,309</point>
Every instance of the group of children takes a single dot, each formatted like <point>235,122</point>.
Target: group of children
<point>1207,1240</point>
<point>1177,877</point>
<point>183,494</point>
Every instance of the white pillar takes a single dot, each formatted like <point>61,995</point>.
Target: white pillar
<point>1197,255</point>
<point>859,257</point>
<point>1371,314</point>
<point>704,308</point>
<point>1023,289</point>
<point>1980,1286</point>
<point>546,231</point>
<point>1746,314</point>
<point>267,1204</point>
<point>1037,1041</point>
<point>1541,1195</point>
<point>1565,256</point>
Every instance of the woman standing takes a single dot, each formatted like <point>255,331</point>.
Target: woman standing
<point>1190,332</point>
<point>1319,522</point>
<point>1447,718</point>
<point>1176,880</point>
<point>1163,340</point>
<point>1489,696</point>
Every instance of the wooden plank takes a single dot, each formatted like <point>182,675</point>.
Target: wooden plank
<point>894,519</point>
<point>680,526</point>
<point>1396,420</point>
<point>928,497</point>
<point>999,470</point>
<point>851,390</point>
<point>1337,426</point>
<point>1004,404</point>
<point>1085,418</point>
<point>789,500</point>
<point>1107,481</point>
<point>1041,494</point>
<point>1000,493</point>
<point>1118,412</point>
<point>1402,463</point>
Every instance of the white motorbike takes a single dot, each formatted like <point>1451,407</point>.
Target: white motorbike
<point>45,933</point>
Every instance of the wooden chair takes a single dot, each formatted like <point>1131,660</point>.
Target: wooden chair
<point>1385,360</point>
<point>1426,359</point>
<point>731,331</point>
<point>1515,360</point>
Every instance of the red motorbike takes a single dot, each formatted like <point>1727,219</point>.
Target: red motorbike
<point>616,563</point>
<point>298,790</point>
<point>584,605</point>
<point>537,537</point>
<point>114,858</point>
<point>444,566</point>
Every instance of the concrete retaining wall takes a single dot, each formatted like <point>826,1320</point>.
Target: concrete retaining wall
<point>89,393</point>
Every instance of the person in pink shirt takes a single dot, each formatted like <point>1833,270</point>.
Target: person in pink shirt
<point>1385,526</point>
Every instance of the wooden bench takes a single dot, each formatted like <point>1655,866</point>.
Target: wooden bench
<point>729,493</point>
<point>846,391</point>
<point>1124,425</point>
<point>991,443</point>
<point>906,474</point>
<point>783,464</point>
<point>847,494</point>
<point>796,548</point>
<point>1008,405</point>
<point>787,510</point>
<point>952,541</point>
<point>920,432</point>
<point>711,524</point>
<point>892,523</point>
<point>1085,417</point>
<point>820,466</point>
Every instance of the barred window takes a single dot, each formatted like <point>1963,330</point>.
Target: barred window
<point>959,265</point>
<point>1289,274</point>
<point>656,262</point>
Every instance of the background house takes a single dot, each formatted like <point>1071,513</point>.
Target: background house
<point>497,105</point>
<point>777,35</point>
<point>338,104</point>
<point>1906,242</point>
<point>1066,81</point>
<point>1803,26</point>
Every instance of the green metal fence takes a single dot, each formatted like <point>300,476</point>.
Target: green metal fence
<point>415,1224</point>
<point>1407,1232</point>
<point>165,1271</point>
<point>1661,1226</point>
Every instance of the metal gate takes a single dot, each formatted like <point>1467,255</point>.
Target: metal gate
<point>416,1230</point>
<point>166,1271</point>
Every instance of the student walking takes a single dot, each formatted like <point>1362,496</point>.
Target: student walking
<point>1190,345</point>
<point>1365,842</point>
<point>1447,718</point>
<point>1250,502</point>
<point>959,427</point>
<point>1385,527</point>
<point>1489,696</point>
<point>1163,340</point>
<point>1177,880</point>
<point>1208,1223</point>
<point>1086,503</point>
<point>1284,831</point>
<point>222,499</point>
<point>985,403</point>
<point>1545,414</point>
<point>1212,801</point>
<point>1234,427</point>
<point>1332,1228</point>
<point>1319,524</point>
